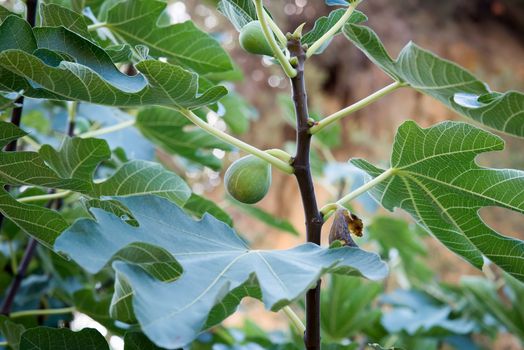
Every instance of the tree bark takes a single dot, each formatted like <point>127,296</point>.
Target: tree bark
<point>301,165</point>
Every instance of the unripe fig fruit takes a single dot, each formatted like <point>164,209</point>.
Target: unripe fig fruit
<point>248,179</point>
<point>253,41</point>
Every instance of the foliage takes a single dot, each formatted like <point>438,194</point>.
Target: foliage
<point>129,240</point>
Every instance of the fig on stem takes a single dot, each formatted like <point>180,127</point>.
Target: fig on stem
<point>252,39</point>
<point>248,179</point>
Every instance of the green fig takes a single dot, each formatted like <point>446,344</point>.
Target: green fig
<point>253,41</point>
<point>248,179</point>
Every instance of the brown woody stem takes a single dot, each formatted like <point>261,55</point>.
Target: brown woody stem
<point>302,171</point>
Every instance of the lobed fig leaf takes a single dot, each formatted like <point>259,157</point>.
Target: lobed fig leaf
<point>248,179</point>
<point>253,41</point>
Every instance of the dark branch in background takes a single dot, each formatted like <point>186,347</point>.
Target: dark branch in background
<point>16,117</point>
<point>30,249</point>
<point>314,219</point>
<point>16,114</point>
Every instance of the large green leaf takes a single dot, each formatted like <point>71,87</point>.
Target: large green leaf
<point>215,261</point>
<point>54,15</point>
<point>169,129</point>
<point>199,205</point>
<point>435,179</point>
<point>42,223</point>
<point>45,338</point>
<point>136,21</point>
<point>445,81</point>
<point>72,168</point>
<point>55,63</point>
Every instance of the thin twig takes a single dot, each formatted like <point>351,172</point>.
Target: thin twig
<point>42,312</point>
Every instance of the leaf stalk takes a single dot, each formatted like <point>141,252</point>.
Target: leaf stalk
<point>108,130</point>
<point>42,312</point>
<point>95,26</point>
<point>274,27</point>
<point>45,197</point>
<point>278,163</point>
<point>332,31</point>
<point>356,106</point>
<point>295,320</point>
<point>268,34</point>
<point>328,209</point>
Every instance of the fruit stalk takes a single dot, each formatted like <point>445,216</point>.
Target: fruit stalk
<point>302,171</point>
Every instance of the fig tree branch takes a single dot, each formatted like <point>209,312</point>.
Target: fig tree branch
<point>302,172</point>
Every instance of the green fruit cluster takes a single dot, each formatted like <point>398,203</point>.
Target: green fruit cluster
<point>248,179</point>
<point>253,41</point>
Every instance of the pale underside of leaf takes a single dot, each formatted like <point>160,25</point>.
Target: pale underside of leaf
<point>216,261</point>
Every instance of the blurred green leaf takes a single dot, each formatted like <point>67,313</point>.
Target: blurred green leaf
<point>11,331</point>
<point>505,305</point>
<point>238,113</point>
<point>389,234</point>
<point>346,307</point>
<point>267,218</point>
